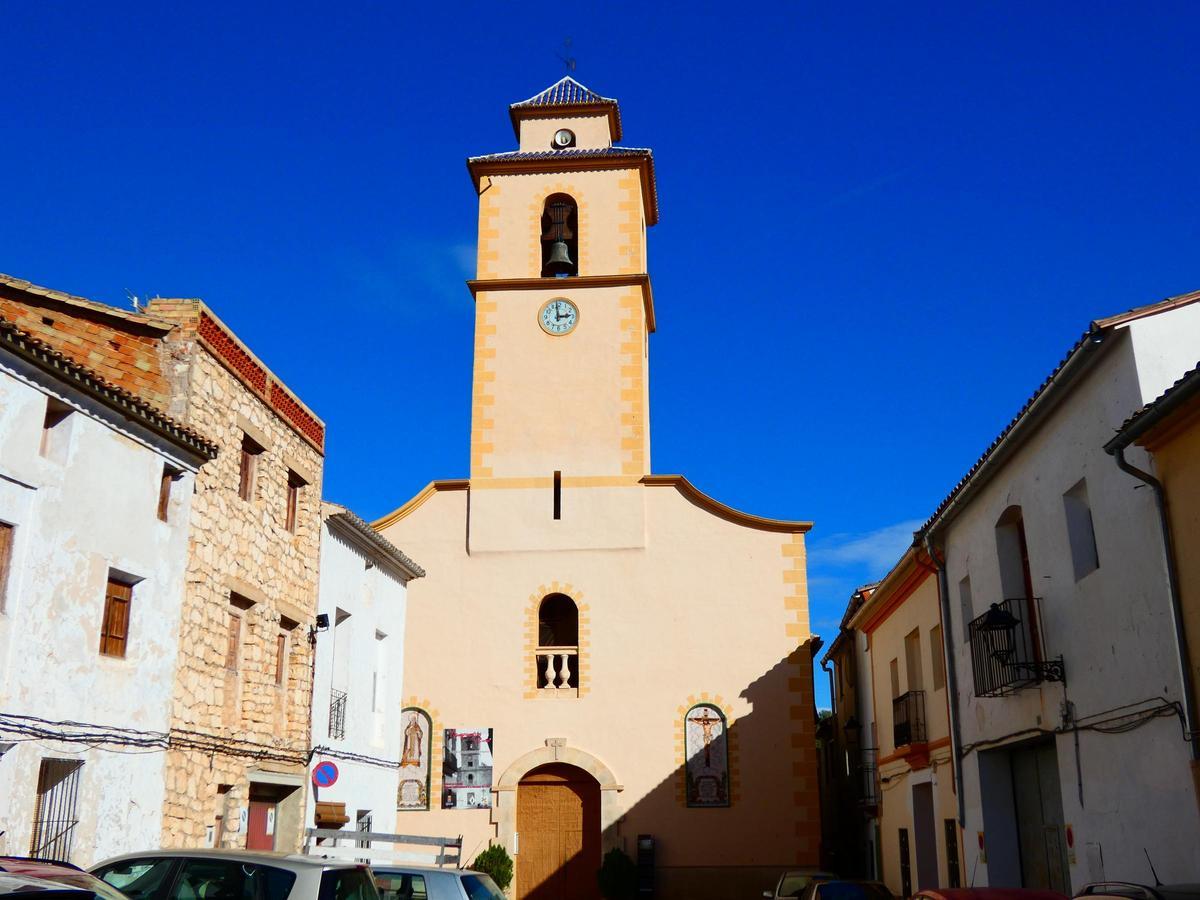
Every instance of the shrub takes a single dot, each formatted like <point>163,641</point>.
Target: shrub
<point>496,862</point>
<point>617,875</point>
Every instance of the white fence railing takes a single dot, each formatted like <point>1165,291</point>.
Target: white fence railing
<point>380,848</point>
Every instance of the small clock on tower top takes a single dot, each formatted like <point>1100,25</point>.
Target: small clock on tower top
<point>564,116</point>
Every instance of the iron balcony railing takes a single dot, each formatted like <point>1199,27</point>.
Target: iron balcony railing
<point>337,715</point>
<point>867,778</point>
<point>1004,657</point>
<point>908,719</point>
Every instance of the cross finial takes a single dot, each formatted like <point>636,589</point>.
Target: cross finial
<point>567,59</point>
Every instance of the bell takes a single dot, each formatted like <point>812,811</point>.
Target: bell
<point>559,262</point>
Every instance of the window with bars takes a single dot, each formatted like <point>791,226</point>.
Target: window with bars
<point>249,463</point>
<point>114,626</point>
<point>54,816</point>
<point>295,485</point>
<point>7,533</point>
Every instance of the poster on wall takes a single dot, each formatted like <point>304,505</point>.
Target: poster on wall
<point>467,768</point>
<point>706,747</point>
<point>417,741</point>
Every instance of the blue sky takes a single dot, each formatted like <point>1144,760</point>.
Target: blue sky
<point>882,224</point>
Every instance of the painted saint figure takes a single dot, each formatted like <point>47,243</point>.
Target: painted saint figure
<point>412,742</point>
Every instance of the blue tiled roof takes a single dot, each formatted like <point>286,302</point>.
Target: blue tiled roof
<point>559,154</point>
<point>565,92</point>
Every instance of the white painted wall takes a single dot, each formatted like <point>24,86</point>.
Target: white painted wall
<point>91,509</point>
<point>356,581</point>
<point>1113,627</point>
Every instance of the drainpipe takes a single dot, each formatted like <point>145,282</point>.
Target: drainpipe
<point>951,678</point>
<point>1181,645</point>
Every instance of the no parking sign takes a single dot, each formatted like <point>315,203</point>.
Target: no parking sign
<point>324,774</point>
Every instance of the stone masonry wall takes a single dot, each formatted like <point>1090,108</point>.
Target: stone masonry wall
<point>239,547</point>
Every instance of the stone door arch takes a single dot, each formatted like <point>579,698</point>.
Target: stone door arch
<point>555,751</point>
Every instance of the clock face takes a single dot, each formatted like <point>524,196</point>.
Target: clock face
<point>564,137</point>
<point>558,316</point>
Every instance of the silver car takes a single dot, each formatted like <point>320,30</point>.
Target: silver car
<point>235,875</point>
<point>427,883</point>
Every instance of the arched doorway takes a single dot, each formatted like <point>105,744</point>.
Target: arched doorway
<point>558,820</point>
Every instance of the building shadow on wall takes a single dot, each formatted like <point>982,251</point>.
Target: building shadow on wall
<point>769,821</point>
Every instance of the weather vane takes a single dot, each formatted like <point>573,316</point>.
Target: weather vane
<point>565,56</point>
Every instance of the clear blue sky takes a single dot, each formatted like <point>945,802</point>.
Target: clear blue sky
<point>881,225</point>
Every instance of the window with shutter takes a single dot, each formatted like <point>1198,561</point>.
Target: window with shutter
<point>114,628</point>
<point>280,658</point>
<point>250,453</point>
<point>234,647</point>
<point>295,483</point>
<point>169,477</point>
<point>7,533</point>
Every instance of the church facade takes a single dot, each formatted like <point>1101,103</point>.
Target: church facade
<point>599,656</point>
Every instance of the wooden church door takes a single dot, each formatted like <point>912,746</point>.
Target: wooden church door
<point>558,823</point>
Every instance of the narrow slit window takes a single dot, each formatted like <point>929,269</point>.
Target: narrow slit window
<point>937,661</point>
<point>55,427</point>
<point>7,533</point>
<point>1080,531</point>
<point>558,495</point>
<point>169,477</point>
<point>280,658</point>
<point>233,646</point>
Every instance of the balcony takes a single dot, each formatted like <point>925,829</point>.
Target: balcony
<point>866,779</point>
<point>337,715</point>
<point>557,670</point>
<point>1004,655</point>
<point>908,719</point>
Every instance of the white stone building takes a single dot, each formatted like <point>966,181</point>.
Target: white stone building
<point>95,495</point>
<point>356,716</point>
<point>1054,566</point>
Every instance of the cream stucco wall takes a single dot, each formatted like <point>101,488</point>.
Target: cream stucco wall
<point>611,221</point>
<point>707,608</point>
<point>901,772</point>
<point>591,132</point>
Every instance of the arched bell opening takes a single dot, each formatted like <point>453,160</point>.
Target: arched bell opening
<point>560,237</point>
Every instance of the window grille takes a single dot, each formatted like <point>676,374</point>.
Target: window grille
<point>337,715</point>
<point>55,817</point>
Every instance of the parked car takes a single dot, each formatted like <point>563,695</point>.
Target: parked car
<point>13,886</point>
<point>846,889</point>
<point>429,883</point>
<point>1123,890</point>
<point>793,882</point>
<point>235,875</point>
<point>989,894</point>
<point>61,873</point>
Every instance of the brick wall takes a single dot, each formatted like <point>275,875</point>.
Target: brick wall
<point>120,350</point>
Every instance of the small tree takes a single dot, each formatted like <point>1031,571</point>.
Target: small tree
<point>496,862</point>
<point>617,876</point>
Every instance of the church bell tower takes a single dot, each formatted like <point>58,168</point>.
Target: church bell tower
<point>563,311</point>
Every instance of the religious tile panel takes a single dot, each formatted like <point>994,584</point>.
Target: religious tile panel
<point>414,759</point>
<point>706,749</point>
<point>467,768</point>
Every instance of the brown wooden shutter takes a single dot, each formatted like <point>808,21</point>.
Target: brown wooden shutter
<point>280,655</point>
<point>164,492</point>
<point>233,651</point>
<point>6,544</point>
<point>114,629</point>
